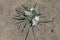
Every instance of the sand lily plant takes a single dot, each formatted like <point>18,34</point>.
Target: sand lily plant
<point>28,15</point>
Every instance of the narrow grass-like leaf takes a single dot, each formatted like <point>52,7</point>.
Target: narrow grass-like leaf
<point>26,8</point>
<point>18,27</point>
<point>19,18</point>
<point>44,21</point>
<point>24,27</point>
<point>19,11</point>
<point>37,28</point>
<point>27,35</point>
<point>33,31</point>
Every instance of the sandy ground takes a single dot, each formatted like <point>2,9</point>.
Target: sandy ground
<point>48,31</point>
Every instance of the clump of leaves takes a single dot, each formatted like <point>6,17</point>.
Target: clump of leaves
<point>30,15</point>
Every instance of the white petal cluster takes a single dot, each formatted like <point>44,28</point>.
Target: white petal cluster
<point>35,20</point>
<point>27,13</point>
<point>31,9</point>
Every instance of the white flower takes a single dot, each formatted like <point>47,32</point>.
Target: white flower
<point>27,13</point>
<point>35,20</point>
<point>31,9</point>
